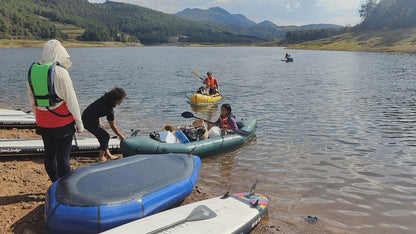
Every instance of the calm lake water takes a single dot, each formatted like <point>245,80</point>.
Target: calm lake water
<point>336,135</point>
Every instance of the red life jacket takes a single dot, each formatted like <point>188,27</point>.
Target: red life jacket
<point>224,121</point>
<point>47,119</point>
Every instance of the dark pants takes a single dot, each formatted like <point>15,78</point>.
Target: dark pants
<point>100,133</point>
<point>57,143</point>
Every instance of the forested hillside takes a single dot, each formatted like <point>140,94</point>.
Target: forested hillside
<point>110,21</point>
<point>18,22</point>
<point>388,14</point>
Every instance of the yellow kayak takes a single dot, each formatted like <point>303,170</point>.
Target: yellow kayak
<point>205,98</point>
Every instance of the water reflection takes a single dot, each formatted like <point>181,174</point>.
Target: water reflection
<point>207,111</point>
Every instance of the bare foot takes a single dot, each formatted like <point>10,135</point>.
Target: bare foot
<point>101,159</point>
<point>111,157</point>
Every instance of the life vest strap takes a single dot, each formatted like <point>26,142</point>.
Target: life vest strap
<point>60,115</point>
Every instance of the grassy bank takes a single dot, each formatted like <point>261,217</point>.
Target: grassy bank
<point>398,41</point>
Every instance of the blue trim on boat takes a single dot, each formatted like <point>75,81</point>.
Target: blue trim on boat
<point>102,196</point>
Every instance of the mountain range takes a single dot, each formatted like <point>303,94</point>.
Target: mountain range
<point>239,24</point>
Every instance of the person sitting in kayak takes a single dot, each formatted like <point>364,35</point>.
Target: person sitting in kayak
<point>211,84</point>
<point>287,56</point>
<point>226,121</point>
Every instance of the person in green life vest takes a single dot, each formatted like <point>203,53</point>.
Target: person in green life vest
<point>55,105</point>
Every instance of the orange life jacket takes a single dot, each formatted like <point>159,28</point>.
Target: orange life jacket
<point>211,83</point>
<point>224,121</point>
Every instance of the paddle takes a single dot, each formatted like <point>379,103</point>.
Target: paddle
<point>134,132</point>
<point>76,142</point>
<point>197,75</point>
<point>240,132</point>
<point>199,213</point>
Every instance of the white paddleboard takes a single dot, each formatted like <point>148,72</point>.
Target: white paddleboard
<point>10,121</point>
<point>9,147</point>
<point>235,213</point>
<point>16,118</point>
<point>5,112</point>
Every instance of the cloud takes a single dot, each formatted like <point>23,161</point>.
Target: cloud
<point>290,7</point>
<point>338,5</point>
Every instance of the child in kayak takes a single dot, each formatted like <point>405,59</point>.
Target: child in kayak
<point>226,121</point>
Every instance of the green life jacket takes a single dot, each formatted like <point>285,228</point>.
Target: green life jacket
<point>40,79</point>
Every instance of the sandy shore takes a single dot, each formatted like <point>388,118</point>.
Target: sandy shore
<point>24,183</point>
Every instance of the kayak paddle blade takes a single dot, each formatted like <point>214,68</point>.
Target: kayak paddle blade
<point>187,114</point>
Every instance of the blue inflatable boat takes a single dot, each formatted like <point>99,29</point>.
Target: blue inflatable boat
<point>98,197</point>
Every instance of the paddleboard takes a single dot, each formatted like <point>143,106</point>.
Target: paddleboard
<point>235,213</point>
<point>34,146</point>
<point>16,119</point>
<point>6,112</point>
<point>98,197</point>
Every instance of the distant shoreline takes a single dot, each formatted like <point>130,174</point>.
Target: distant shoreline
<point>70,43</point>
<point>78,44</point>
<point>373,42</point>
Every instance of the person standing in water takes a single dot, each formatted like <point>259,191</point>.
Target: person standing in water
<point>55,105</point>
<point>92,122</point>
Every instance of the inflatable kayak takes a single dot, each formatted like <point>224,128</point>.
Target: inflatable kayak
<point>199,98</point>
<point>202,148</point>
<point>34,146</point>
<point>235,213</point>
<point>16,119</point>
<point>288,60</point>
<point>98,197</point>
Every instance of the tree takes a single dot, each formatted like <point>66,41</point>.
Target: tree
<point>367,9</point>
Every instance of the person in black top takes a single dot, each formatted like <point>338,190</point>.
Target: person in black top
<point>92,122</point>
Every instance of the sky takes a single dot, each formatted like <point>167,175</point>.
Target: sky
<point>280,12</point>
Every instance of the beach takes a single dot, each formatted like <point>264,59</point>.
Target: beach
<point>24,183</point>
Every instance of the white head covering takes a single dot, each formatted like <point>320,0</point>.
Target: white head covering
<point>53,51</point>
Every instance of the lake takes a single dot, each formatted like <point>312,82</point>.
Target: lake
<point>336,135</point>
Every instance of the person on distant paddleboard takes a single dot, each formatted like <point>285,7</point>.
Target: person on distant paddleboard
<point>92,122</point>
<point>55,105</point>
<point>211,84</point>
<point>226,121</point>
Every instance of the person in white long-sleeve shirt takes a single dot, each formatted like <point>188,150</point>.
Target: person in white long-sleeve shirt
<point>57,111</point>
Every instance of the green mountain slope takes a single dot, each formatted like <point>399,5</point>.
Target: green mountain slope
<point>109,21</point>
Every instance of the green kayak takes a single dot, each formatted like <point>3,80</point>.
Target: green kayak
<point>202,148</point>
